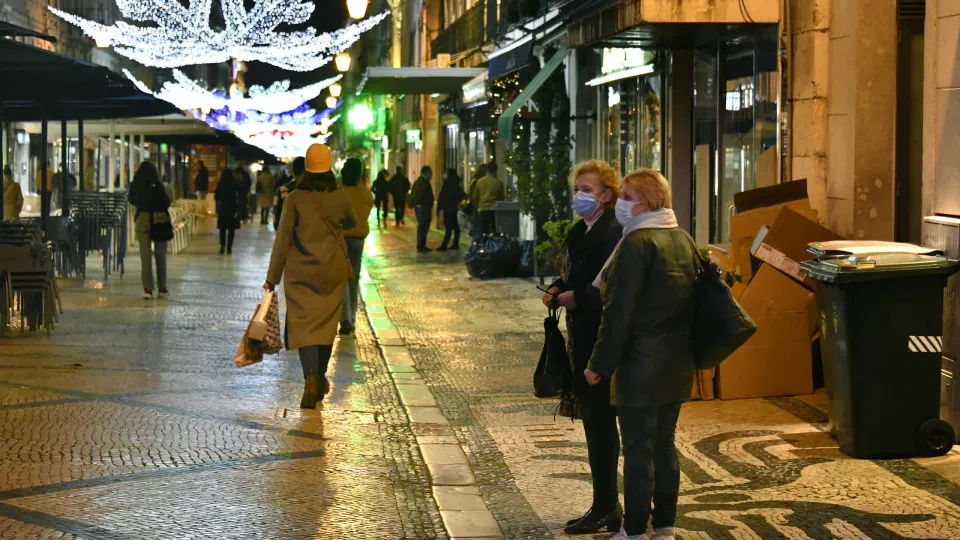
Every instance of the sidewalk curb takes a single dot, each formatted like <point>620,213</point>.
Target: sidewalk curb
<point>464,512</point>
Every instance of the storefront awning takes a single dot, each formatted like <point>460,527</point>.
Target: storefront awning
<point>416,80</point>
<point>505,122</point>
<point>14,31</point>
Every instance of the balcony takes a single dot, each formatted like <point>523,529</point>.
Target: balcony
<point>466,33</point>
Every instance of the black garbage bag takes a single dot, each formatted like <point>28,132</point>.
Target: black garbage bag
<point>493,256</point>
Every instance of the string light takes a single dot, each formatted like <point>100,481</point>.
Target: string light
<point>186,93</point>
<point>182,36</point>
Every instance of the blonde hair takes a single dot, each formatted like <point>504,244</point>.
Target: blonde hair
<point>608,176</point>
<point>652,186</point>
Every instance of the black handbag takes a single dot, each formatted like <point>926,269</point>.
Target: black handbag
<point>161,228</point>
<point>553,374</point>
<point>720,324</point>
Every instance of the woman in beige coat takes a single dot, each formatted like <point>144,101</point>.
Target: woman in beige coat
<point>310,254</point>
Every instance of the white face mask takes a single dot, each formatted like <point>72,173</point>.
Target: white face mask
<point>584,204</point>
<point>624,211</point>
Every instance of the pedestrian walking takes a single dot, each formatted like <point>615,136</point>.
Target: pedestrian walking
<point>353,178</point>
<point>310,254</point>
<point>644,348</point>
<point>245,182</point>
<point>12,196</point>
<point>399,187</point>
<point>381,197</point>
<point>487,191</point>
<point>287,186</point>
<point>266,186</point>
<point>148,195</point>
<point>421,200</point>
<point>229,197</point>
<point>201,184</point>
<point>448,202</point>
<point>589,244</point>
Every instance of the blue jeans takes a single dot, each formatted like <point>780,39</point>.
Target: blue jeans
<point>348,313</point>
<point>651,469</point>
<point>424,215</point>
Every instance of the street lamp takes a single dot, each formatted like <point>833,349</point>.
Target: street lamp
<point>331,102</point>
<point>335,89</point>
<point>360,116</point>
<point>342,61</point>
<point>357,8</point>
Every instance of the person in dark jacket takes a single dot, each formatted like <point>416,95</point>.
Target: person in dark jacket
<point>245,183</point>
<point>287,185</point>
<point>421,200</point>
<point>381,196</point>
<point>399,186</point>
<point>201,184</point>
<point>644,348</point>
<point>589,244</point>
<point>230,204</point>
<point>148,196</point>
<point>448,202</point>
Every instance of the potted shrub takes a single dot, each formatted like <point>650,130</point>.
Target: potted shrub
<point>550,253</point>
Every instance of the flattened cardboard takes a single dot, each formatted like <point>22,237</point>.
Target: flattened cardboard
<point>771,293</point>
<point>745,226</point>
<point>784,245</point>
<point>777,361</point>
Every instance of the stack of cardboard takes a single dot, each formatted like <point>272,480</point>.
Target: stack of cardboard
<point>769,237</point>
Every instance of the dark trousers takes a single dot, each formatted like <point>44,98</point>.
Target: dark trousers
<point>351,297</point>
<point>226,238</point>
<point>314,359</point>
<point>650,466</point>
<point>384,208</point>
<point>484,222</point>
<point>452,226</point>
<point>603,443</point>
<point>424,215</point>
<point>264,215</point>
<point>399,204</point>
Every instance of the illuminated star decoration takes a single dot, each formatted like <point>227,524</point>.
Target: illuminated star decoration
<point>187,94</point>
<point>182,36</point>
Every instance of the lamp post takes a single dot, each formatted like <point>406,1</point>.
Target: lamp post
<point>331,102</point>
<point>357,8</point>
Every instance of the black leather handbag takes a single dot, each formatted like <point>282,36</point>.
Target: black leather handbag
<point>720,324</point>
<point>553,374</point>
<point>161,227</point>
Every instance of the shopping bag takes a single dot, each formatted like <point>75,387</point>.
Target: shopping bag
<point>265,326</point>
<point>553,373</point>
<point>250,350</point>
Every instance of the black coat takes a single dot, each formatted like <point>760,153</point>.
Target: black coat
<point>228,204</point>
<point>644,343</point>
<point>399,187</point>
<point>586,253</point>
<point>451,195</point>
<point>381,190</point>
<point>202,183</point>
<point>148,196</point>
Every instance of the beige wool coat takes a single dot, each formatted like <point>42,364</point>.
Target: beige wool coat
<point>312,262</point>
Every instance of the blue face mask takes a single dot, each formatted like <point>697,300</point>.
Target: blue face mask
<point>584,204</point>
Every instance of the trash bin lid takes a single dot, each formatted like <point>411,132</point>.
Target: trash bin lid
<point>845,261</point>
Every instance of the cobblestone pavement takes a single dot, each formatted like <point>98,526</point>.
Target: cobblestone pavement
<point>750,469</point>
<point>130,421</point>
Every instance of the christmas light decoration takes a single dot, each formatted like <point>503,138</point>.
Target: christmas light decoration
<point>186,93</point>
<point>180,36</point>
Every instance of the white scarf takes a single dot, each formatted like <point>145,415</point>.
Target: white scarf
<point>654,219</point>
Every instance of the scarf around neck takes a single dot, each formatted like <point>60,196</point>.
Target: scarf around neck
<point>664,218</point>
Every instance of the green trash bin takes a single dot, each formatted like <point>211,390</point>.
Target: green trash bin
<point>881,319</point>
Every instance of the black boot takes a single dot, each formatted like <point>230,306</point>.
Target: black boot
<point>311,392</point>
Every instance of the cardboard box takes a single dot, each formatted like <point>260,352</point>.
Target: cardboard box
<point>783,244</point>
<point>771,293</point>
<point>720,256</point>
<point>745,226</point>
<point>777,361</point>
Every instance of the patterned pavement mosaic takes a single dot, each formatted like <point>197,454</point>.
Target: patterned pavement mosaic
<point>130,421</point>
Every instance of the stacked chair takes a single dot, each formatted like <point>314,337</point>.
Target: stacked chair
<point>102,227</point>
<point>28,285</point>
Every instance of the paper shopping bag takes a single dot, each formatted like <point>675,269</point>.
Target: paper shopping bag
<point>250,350</point>
<point>265,326</point>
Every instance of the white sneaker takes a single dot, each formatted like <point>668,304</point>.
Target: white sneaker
<point>147,295</point>
<point>622,535</point>
<point>666,533</point>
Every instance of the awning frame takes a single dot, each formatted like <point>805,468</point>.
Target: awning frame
<point>447,80</point>
<point>505,122</point>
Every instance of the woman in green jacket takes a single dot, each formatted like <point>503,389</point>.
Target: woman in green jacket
<point>644,348</point>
